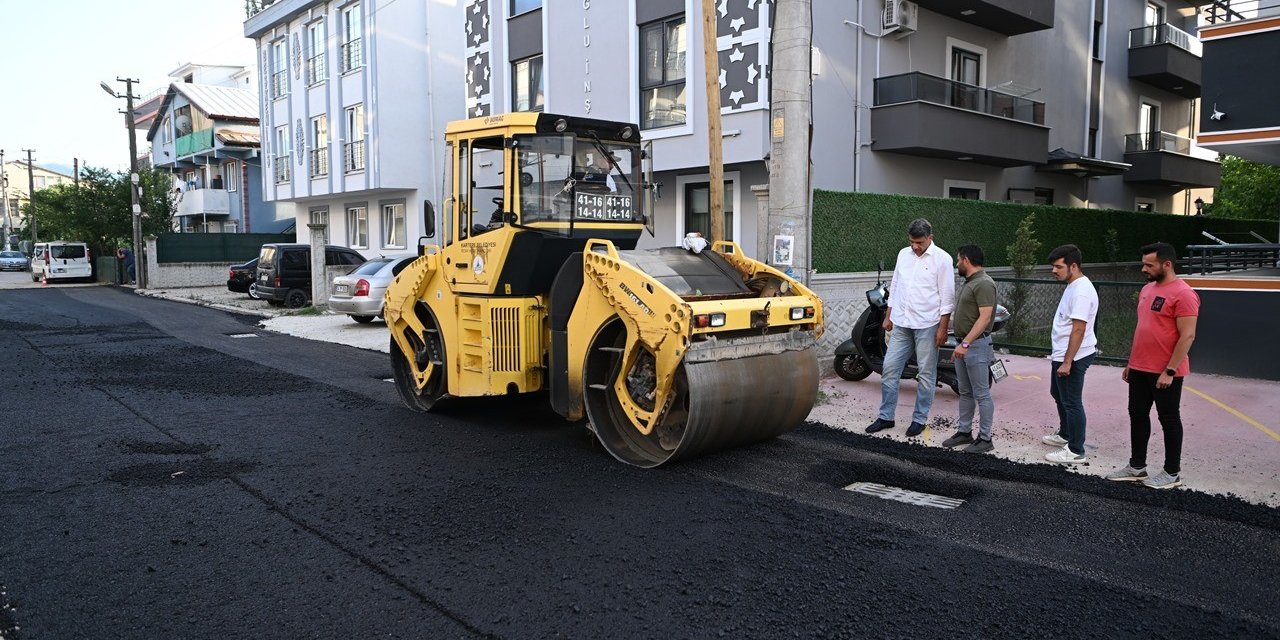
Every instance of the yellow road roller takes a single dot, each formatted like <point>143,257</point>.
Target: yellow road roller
<point>536,284</point>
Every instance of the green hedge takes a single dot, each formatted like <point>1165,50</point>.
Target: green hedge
<point>851,231</point>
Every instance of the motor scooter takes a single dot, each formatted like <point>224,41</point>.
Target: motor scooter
<point>864,351</point>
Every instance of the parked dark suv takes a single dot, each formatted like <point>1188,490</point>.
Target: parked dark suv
<point>284,271</point>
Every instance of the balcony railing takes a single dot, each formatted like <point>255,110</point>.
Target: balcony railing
<point>353,156</point>
<point>317,71</point>
<point>1157,141</point>
<point>279,84</point>
<point>319,162</point>
<point>281,168</point>
<point>193,142</point>
<point>923,87</point>
<point>1165,34</point>
<point>352,55</point>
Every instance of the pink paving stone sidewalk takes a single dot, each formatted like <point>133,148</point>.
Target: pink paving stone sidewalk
<point>1231,425</point>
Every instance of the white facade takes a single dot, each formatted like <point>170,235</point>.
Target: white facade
<point>355,97</point>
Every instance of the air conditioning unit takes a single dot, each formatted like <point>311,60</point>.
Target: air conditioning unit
<point>899,18</point>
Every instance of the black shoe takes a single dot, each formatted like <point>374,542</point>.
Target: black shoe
<point>961,437</point>
<point>979,446</point>
<point>879,425</point>
<point>915,429</point>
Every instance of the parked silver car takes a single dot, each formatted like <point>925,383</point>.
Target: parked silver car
<point>15,260</point>
<point>359,293</point>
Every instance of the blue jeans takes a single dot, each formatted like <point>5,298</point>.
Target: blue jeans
<point>1068,394</point>
<point>973,372</point>
<point>901,343</point>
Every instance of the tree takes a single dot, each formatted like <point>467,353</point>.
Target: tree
<point>1023,255</point>
<point>1249,191</point>
<point>98,211</point>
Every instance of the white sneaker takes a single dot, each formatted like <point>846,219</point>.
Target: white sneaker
<point>1054,439</point>
<point>1065,456</point>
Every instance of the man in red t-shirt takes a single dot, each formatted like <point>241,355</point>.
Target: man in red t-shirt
<point>1167,312</point>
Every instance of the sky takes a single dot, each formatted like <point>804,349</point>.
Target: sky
<point>57,51</point>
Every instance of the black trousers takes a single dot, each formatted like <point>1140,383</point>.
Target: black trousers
<point>1142,394</point>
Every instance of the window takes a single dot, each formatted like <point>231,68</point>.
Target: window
<point>230,175</point>
<point>527,90</point>
<point>167,127</point>
<point>319,159</point>
<point>393,231</point>
<point>520,6</point>
<point>1149,117</point>
<point>1097,41</point>
<point>280,148</point>
<point>1145,205</point>
<point>964,190</point>
<point>697,209</point>
<point>1037,195</point>
<point>316,70</point>
<point>662,87</point>
<point>1153,15</point>
<point>352,30</point>
<point>279,69</point>
<point>353,150</point>
<point>357,227</point>
<point>966,66</point>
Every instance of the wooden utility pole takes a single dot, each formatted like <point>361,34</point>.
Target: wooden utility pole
<point>31,199</point>
<point>715,164</point>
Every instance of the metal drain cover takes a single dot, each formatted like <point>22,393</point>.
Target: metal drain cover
<point>904,495</point>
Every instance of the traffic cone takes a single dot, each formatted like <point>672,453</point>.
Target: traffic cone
<point>44,278</point>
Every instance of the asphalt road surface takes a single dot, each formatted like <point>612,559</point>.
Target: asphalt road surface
<point>162,478</point>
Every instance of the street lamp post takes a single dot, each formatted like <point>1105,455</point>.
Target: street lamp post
<point>139,252</point>
<point>4,198</point>
<point>1199,206</point>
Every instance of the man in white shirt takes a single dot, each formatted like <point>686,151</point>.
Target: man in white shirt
<point>921,298</point>
<point>1074,345</point>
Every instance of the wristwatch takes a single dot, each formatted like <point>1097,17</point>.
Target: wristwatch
<point>965,344</point>
<point>1170,372</point>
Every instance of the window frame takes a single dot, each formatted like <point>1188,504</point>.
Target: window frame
<point>541,91</point>
<point>279,70</point>
<point>967,47</point>
<point>514,12</point>
<point>317,60</point>
<point>350,133</point>
<point>280,139</point>
<point>387,223</point>
<point>351,16</point>
<point>732,180</point>
<point>318,162</point>
<point>663,27</point>
<point>355,211</point>
<point>967,185</point>
<point>230,176</point>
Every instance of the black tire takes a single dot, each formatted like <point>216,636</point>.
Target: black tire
<point>852,367</point>
<point>431,395</point>
<point>295,299</point>
<point>363,319</point>
<point>253,291</point>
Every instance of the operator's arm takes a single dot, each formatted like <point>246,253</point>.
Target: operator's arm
<point>1073,345</point>
<point>984,319</point>
<point>947,293</point>
<point>1186,335</point>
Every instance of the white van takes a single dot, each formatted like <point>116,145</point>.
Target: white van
<point>61,261</point>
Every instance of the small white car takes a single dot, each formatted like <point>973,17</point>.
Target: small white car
<point>359,293</point>
<point>61,260</point>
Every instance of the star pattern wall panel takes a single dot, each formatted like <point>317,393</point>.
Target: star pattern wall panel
<point>742,40</point>
<point>479,59</point>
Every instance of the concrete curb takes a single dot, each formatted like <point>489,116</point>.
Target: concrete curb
<point>201,303</point>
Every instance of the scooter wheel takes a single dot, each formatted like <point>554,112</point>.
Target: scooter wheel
<point>852,367</point>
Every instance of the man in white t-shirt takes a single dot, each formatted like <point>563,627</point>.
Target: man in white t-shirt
<point>1074,345</point>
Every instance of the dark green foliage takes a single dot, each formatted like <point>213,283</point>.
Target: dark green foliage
<point>851,231</point>
<point>1249,190</point>
<point>1024,254</point>
<point>98,211</point>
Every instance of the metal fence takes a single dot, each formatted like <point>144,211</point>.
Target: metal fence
<point>213,247</point>
<point>1033,304</point>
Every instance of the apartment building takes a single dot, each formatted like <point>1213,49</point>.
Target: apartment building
<point>1089,103</point>
<point>17,179</point>
<point>1241,94</point>
<point>354,99</point>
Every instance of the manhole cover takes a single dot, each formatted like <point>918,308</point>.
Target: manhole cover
<point>904,495</point>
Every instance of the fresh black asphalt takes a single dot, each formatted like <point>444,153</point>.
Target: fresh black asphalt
<point>162,479</point>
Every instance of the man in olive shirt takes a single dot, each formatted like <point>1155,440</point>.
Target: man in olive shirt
<point>971,321</point>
